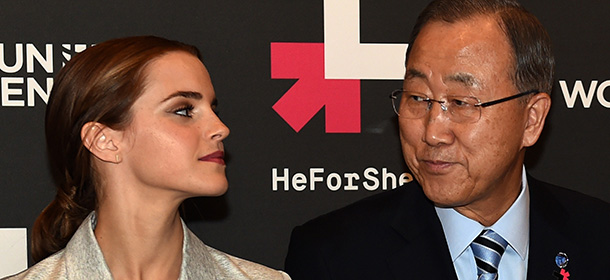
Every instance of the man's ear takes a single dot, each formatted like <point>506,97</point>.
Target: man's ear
<point>101,141</point>
<point>537,110</point>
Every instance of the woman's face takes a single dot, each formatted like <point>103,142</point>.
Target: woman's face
<point>174,141</point>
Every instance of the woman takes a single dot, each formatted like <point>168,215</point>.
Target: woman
<point>131,133</point>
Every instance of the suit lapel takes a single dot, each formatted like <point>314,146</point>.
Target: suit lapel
<point>548,236</point>
<point>425,254</point>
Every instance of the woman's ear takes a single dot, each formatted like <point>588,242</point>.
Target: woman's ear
<point>537,110</point>
<point>101,141</point>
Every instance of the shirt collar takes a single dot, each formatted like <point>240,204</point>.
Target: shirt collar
<point>513,226</point>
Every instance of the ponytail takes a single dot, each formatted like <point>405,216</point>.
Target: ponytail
<point>56,224</point>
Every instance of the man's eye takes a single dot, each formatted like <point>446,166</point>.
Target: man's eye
<point>418,98</point>
<point>460,103</point>
<point>186,111</point>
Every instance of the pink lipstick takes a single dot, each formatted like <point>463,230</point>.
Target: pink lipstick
<point>217,157</point>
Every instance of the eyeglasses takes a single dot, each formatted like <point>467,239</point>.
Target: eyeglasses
<point>462,109</point>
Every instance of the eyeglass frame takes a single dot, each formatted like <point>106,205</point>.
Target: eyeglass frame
<point>444,107</point>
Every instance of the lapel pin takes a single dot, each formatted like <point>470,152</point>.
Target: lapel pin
<point>561,260</point>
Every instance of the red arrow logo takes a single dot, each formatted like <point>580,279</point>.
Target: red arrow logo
<point>312,92</point>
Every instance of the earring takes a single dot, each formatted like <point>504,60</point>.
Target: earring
<point>116,157</point>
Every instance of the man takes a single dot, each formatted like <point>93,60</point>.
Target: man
<point>475,96</point>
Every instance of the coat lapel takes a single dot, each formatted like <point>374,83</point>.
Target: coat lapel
<point>84,258</point>
<point>424,254</point>
<point>548,235</point>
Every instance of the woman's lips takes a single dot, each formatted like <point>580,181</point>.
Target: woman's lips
<point>217,157</point>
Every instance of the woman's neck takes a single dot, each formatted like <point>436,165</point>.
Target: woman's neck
<point>140,242</point>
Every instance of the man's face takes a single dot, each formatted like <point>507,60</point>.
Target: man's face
<point>465,165</point>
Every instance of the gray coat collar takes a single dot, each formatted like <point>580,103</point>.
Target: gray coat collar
<point>84,258</point>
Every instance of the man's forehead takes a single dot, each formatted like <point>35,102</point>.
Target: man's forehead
<point>463,31</point>
<point>464,78</point>
<point>468,52</point>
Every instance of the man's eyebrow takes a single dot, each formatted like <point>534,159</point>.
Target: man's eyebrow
<point>185,94</point>
<point>414,73</point>
<point>466,79</point>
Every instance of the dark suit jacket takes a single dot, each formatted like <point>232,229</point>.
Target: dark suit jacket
<point>397,235</point>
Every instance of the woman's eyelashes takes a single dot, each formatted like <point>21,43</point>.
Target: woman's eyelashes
<point>184,111</point>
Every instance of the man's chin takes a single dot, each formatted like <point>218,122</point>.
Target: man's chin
<point>440,194</point>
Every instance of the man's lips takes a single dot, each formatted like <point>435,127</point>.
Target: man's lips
<point>217,157</point>
<point>437,166</point>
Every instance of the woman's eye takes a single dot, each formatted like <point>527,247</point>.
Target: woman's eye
<point>186,111</point>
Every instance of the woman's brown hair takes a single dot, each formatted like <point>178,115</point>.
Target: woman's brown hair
<point>98,85</point>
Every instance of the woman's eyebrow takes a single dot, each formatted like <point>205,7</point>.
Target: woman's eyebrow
<point>185,94</point>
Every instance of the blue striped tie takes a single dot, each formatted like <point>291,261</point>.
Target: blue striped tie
<point>488,248</point>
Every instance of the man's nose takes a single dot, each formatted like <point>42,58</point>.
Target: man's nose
<point>438,126</point>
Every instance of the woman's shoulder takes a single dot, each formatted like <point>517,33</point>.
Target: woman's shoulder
<point>53,267</point>
<point>250,269</point>
<point>201,260</point>
<point>80,257</point>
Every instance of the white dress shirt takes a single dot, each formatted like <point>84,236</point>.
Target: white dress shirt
<point>513,226</point>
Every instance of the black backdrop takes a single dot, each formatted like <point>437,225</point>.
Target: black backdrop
<point>253,220</point>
